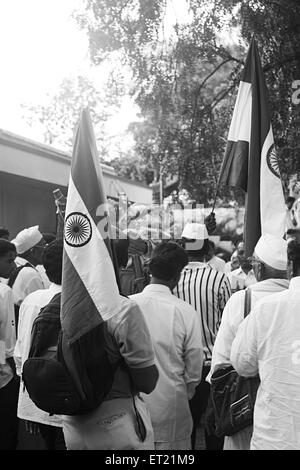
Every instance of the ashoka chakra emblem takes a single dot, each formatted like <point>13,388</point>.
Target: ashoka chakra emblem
<point>272,161</point>
<point>78,229</point>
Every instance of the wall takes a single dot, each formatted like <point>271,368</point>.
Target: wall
<point>30,171</point>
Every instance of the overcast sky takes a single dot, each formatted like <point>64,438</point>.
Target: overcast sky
<point>40,45</point>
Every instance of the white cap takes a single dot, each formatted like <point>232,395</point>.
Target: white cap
<point>27,238</point>
<point>195,231</point>
<point>272,250</point>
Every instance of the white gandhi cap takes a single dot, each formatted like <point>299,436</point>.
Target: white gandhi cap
<point>197,232</point>
<point>26,239</point>
<point>272,250</point>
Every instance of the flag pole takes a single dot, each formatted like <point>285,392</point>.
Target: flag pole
<point>217,191</point>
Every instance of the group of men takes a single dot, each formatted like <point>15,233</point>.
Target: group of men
<point>166,342</point>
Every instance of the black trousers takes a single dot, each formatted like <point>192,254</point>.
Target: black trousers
<point>53,437</point>
<point>8,414</point>
<point>198,405</point>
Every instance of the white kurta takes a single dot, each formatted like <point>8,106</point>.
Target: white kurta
<point>268,343</point>
<point>29,310</point>
<point>176,335</point>
<point>232,317</point>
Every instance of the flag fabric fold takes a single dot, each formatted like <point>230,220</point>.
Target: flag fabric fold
<point>250,160</point>
<point>90,291</point>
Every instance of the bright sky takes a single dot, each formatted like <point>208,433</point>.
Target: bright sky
<point>40,45</point>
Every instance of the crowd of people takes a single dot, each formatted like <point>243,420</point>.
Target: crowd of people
<point>181,318</point>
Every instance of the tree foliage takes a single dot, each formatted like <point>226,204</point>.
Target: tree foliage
<point>59,116</point>
<point>185,81</point>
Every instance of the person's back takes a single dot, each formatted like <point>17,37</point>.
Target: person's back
<point>35,419</point>
<point>267,342</point>
<point>176,336</point>
<point>276,324</point>
<point>207,291</point>
<point>269,264</point>
<point>122,421</point>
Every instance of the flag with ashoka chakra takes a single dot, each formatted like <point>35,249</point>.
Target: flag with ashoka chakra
<point>250,160</point>
<point>90,291</point>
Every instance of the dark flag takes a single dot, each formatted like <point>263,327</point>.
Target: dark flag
<point>250,160</point>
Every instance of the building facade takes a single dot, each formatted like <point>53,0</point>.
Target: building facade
<point>30,171</point>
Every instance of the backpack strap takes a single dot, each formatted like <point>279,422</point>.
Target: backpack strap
<point>137,266</point>
<point>247,302</point>
<point>15,273</point>
<point>138,270</point>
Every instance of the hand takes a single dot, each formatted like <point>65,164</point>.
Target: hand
<point>210,222</point>
<point>32,428</point>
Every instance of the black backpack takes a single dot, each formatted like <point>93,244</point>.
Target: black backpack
<point>134,278</point>
<point>63,378</point>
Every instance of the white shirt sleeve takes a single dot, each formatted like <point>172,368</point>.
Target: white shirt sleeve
<point>244,347</point>
<point>193,355</point>
<point>7,325</point>
<point>233,315</point>
<point>28,312</point>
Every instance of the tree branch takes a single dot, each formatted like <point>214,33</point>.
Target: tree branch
<point>203,83</point>
<point>223,94</point>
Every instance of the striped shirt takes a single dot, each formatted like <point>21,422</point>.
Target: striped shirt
<point>207,290</point>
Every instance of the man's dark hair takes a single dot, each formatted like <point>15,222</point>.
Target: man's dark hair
<point>212,244</point>
<point>4,233</point>
<point>6,247</point>
<point>52,261</point>
<point>167,261</point>
<point>197,254</point>
<point>49,237</point>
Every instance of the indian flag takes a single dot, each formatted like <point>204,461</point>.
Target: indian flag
<point>250,160</point>
<point>90,293</point>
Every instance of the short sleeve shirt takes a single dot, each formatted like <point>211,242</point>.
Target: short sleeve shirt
<point>129,339</point>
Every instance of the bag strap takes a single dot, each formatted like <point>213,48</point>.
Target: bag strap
<point>14,275</point>
<point>137,266</point>
<point>247,303</point>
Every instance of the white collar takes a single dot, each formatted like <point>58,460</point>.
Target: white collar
<point>158,288</point>
<point>196,264</point>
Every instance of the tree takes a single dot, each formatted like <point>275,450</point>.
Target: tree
<point>59,116</point>
<point>185,80</point>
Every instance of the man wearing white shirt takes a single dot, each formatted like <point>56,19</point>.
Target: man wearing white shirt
<point>9,383</point>
<point>37,420</point>
<point>269,264</point>
<point>214,261</point>
<point>267,343</point>
<point>30,244</point>
<point>176,335</point>
<point>242,277</point>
